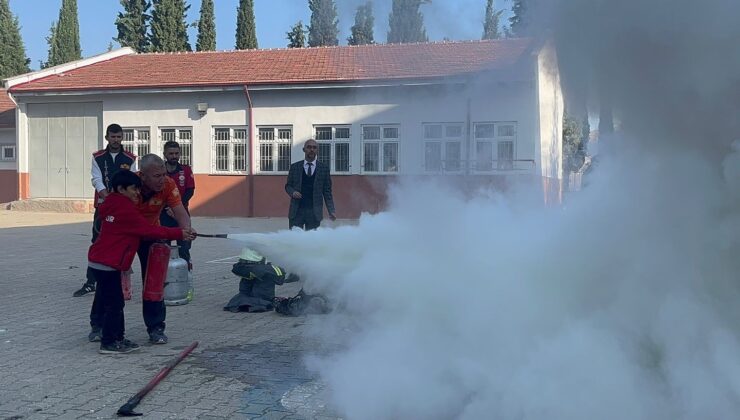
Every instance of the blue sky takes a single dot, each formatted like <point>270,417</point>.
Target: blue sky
<point>454,19</point>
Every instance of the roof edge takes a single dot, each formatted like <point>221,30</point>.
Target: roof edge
<point>35,75</point>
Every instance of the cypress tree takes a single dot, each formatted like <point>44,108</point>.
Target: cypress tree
<point>297,36</point>
<point>132,25</point>
<point>324,27</point>
<point>246,29</point>
<point>206,27</point>
<point>406,22</point>
<point>13,60</point>
<point>51,52</point>
<point>65,36</point>
<point>169,28</point>
<point>490,25</point>
<point>362,30</point>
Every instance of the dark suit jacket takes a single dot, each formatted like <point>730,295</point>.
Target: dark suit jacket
<point>321,189</point>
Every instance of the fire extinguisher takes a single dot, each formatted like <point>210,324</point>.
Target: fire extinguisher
<point>126,284</point>
<point>156,272</point>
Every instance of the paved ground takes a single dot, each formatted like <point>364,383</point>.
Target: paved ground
<point>246,366</point>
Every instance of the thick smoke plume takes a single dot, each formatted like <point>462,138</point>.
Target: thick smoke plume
<point>621,304</point>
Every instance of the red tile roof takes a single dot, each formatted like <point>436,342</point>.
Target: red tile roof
<point>7,110</point>
<point>287,66</point>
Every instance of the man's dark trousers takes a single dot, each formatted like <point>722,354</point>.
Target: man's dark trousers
<point>154,312</point>
<point>304,219</point>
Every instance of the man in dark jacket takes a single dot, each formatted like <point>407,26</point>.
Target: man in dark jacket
<point>309,186</point>
<point>257,286</point>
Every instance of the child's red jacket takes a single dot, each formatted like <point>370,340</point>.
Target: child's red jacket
<point>121,228</point>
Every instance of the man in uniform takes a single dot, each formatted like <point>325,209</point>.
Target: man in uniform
<point>105,164</point>
<point>183,177</point>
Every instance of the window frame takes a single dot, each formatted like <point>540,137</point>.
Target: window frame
<point>333,142</point>
<point>232,142</point>
<point>444,141</point>
<point>496,141</point>
<point>133,145</point>
<point>186,145</point>
<point>3,148</point>
<point>275,152</point>
<point>382,141</point>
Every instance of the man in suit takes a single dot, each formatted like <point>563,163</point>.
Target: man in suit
<point>309,186</point>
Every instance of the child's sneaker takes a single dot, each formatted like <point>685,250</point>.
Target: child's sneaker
<point>85,289</point>
<point>116,347</point>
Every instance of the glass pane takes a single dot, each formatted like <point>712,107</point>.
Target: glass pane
<point>240,134</point>
<point>284,157</point>
<point>142,149</point>
<point>390,157</point>
<point>433,131</point>
<point>484,156</point>
<point>186,154</point>
<point>341,157</point>
<point>222,133</point>
<point>128,135</point>
<point>453,131</point>
<point>505,130</point>
<point>371,132</point>
<point>222,157</point>
<point>453,154</point>
<point>323,133</point>
<point>240,157</point>
<point>266,134</point>
<point>341,133</point>
<point>505,155</point>
<point>285,134</point>
<point>266,157</point>
<point>168,135</point>
<point>324,154</point>
<point>433,156</point>
<point>390,133</point>
<point>9,152</point>
<point>371,157</point>
<point>484,131</point>
<point>186,135</point>
<point>144,135</point>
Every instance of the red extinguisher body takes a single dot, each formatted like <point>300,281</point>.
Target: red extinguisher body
<point>156,272</point>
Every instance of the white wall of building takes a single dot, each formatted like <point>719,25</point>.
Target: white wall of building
<point>550,110</point>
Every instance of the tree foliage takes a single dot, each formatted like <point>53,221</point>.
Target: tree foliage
<point>64,40</point>
<point>169,26</point>
<point>246,28</point>
<point>491,24</point>
<point>575,138</point>
<point>132,25</point>
<point>406,22</point>
<point>206,27</point>
<point>297,36</point>
<point>324,27</point>
<point>362,30</point>
<point>518,20</point>
<point>13,60</point>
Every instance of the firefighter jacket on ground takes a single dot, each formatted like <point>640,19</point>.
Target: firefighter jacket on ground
<point>257,285</point>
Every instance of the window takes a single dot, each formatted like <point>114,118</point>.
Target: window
<point>333,147</point>
<point>229,152</point>
<point>137,141</point>
<point>274,148</point>
<point>184,136</point>
<point>499,137</point>
<point>380,148</point>
<point>7,152</point>
<point>443,147</point>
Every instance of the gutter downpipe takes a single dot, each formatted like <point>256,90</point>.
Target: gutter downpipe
<point>250,148</point>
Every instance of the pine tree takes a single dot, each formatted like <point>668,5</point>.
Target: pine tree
<point>13,60</point>
<point>51,52</point>
<point>324,27</point>
<point>206,27</point>
<point>297,36</point>
<point>362,30</point>
<point>490,26</point>
<point>246,29</point>
<point>64,41</point>
<point>406,22</point>
<point>169,28</point>
<point>518,19</point>
<point>132,25</point>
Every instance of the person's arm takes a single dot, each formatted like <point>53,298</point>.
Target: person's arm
<point>181,215</point>
<point>292,192</point>
<point>187,196</point>
<point>97,179</point>
<point>139,226</point>
<point>189,187</point>
<point>328,198</point>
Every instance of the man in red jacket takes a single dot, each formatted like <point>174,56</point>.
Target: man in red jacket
<point>122,228</point>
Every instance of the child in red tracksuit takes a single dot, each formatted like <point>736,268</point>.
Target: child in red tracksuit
<point>122,226</point>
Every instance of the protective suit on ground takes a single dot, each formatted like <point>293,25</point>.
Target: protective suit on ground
<point>257,285</point>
